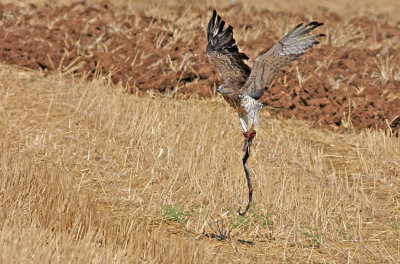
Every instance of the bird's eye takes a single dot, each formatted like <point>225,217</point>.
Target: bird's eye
<point>226,88</point>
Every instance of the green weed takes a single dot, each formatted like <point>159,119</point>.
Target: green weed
<point>314,237</point>
<point>176,213</point>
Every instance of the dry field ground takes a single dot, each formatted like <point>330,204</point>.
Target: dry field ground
<point>122,153</point>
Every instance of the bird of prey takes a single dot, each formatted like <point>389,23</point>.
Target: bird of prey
<point>243,86</point>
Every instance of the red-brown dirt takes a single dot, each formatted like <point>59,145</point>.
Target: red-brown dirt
<point>349,82</point>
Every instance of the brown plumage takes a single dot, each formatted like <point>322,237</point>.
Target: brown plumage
<point>244,86</point>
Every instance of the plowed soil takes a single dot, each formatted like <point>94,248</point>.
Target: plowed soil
<point>352,79</point>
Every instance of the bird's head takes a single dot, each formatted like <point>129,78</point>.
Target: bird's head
<point>224,89</point>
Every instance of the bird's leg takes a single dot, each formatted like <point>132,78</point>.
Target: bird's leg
<point>250,133</point>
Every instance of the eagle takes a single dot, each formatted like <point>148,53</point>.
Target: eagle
<point>244,87</point>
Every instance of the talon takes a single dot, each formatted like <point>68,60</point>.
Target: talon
<point>250,134</point>
<point>248,138</point>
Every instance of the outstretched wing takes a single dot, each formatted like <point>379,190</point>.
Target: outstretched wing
<point>268,63</point>
<point>224,53</point>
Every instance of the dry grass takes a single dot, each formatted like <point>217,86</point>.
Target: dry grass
<point>91,174</point>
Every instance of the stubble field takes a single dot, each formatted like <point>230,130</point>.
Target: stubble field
<point>122,153</point>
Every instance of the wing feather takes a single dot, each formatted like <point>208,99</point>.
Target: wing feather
<point>269,63</point>
<point>224,53</point>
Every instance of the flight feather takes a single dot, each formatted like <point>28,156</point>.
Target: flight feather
<point>268,64</point>
<point>223,51</point>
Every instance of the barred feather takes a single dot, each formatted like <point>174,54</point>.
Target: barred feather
<point>270,62</point>
<point>224,53</point>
